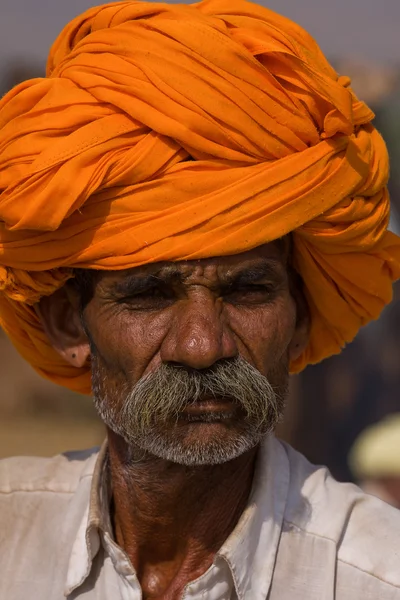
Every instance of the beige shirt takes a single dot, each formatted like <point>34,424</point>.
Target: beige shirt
<point>303,536</point>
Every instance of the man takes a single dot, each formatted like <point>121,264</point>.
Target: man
<point>193,204</point>
<point>375,459</point>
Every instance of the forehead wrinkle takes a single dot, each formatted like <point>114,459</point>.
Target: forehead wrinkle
<point>253,271</point>
<point>180,272</point>
<point>168,272</point>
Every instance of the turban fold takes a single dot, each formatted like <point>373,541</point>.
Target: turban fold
<point>172,132</point>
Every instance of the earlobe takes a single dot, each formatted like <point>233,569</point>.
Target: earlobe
<point>60,318</point>
<point>76,356</point>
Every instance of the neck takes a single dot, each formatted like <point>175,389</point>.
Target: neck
<point>172,519</point>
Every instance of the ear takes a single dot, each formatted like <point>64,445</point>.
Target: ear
<point>299,340</point>
<point>61,320</point>
<point>301,334</point>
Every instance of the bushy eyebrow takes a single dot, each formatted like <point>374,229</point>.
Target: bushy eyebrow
<point>270,269</point>
<point>135,284</point>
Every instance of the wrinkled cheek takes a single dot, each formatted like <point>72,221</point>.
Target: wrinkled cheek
<point>273,351</point>
<point>284,329</point>
<point>107,387</point>
<point>265,335</point>
<point>125,346</point>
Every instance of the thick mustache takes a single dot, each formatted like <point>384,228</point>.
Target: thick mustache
<point>163,394</point>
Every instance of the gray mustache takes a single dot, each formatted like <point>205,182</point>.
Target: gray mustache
<point>162,395</point>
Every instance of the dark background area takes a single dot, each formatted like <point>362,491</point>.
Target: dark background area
<point>331,403</point>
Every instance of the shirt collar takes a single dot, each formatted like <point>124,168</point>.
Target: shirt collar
<point>250,551</point>
<point>251,548</point>
<point>96,517</point>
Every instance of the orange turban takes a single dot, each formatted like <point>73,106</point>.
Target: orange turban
<point>94,169</point>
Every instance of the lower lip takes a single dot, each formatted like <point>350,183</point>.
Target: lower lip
<point>209,406</point>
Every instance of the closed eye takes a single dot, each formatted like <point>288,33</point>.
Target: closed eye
<point>152,298</point>
<point>250,294</point>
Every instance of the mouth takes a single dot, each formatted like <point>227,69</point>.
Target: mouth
<point>209,408</point>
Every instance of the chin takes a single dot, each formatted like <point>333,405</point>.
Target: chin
<point>199,443</point>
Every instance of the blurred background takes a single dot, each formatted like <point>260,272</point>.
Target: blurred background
<point>330,404</point>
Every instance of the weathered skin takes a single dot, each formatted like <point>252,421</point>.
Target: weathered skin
<point>172,519</point>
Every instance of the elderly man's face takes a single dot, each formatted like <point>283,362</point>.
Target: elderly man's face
<point>190,359</point>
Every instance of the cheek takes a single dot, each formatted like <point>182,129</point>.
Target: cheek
<point>265,332</point>
<point>128,343</point>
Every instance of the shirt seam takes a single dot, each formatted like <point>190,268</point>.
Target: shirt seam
<point>349,564</point>
<point>232,572</point>
<point>319,535</point>
<point>55,491</point>
<point>341,560</point>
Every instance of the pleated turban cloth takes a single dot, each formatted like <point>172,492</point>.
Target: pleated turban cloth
<point>171,132</point>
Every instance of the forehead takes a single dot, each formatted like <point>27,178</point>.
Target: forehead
<point>274,253</point>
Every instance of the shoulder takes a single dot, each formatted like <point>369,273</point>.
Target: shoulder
<point>59,474</point>
<point>370,544</point>
<point>42,502</point>
<point>364,530</point>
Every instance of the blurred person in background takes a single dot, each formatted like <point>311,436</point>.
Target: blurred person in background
<point>374,460</point>
<point>193,205</point>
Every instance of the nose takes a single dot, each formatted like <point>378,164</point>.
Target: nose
<point>199,334</point>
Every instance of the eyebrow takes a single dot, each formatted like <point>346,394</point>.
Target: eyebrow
<point>269,269</point>
<point>134,283</point>
<point>171,273</point>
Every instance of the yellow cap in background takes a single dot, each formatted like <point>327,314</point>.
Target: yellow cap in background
<point>376,451</point>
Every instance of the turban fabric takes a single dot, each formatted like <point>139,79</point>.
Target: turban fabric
<point>171,132</point>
